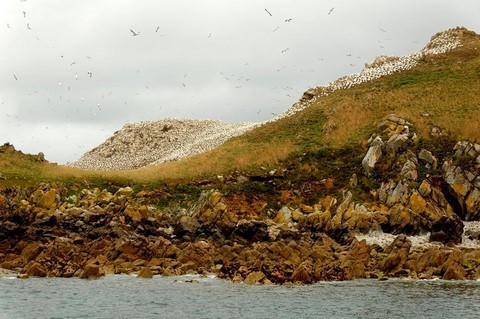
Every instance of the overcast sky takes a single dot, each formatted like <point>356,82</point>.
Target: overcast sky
<point>72,72</point>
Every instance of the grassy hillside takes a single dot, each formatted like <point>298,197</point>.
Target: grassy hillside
<point>441,91</point>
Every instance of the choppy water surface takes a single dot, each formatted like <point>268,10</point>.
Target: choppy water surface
<point>175,297</point>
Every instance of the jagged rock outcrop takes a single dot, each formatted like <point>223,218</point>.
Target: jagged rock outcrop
<point>462,179</point>
<point>94,233</point>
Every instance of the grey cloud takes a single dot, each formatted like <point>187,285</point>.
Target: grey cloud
<point>231,53</point>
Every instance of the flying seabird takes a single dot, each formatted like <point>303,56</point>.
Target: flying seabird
<point>28,26</point>
<point>283,51</point>
<point>331,10</point>
<point>90,74</point>
<point>15,77</point>
<point>134,33</point>
<point>156,29</point>
<point>289,20</point>
<point>268,12</point>
<point>276,29</point>
<point>24,14</point>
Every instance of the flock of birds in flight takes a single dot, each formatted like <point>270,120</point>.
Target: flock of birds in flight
<point>137,33</point>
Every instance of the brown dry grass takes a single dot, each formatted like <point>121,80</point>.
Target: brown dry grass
<point>233,155</point>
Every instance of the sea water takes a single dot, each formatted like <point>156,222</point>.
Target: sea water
<point>129,297</point>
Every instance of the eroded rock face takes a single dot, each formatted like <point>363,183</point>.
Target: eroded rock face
<point>373,155</point>
<point>461,180</point>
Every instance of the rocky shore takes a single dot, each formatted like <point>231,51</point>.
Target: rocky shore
<point>420,207</point>
<point>96,233</point>
<point>397,205</point>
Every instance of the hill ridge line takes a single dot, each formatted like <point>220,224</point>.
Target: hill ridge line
<point>384,65</point>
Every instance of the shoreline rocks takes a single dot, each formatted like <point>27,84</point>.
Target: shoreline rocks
<point>95,234</point>
<point>261,238</point>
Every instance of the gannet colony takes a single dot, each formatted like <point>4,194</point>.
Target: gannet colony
<point>153,142</point>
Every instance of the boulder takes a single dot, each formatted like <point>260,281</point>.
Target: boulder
<point>427,157</point>
<point>338,218</point>
<point>472,205</point>
<point>400,220</point>
<point>91,271</point>
<point>399,194</point>
<point>31,251</point>
<point>136,214</point>
<point>284,215</point>
<point>303,273</point>
<point>425,189</point>
<point>447,230</point>
<point>341,234</point>
<point>409,170</point>
<point>397,256</point>
<point>145,273</point>
<point>253,230</point>
<point>34,269</point>
<point>124,191</point>
<point>356,260</point>
<point>254,278</point>
<point>453,268</point>
<point>461,193</point>
<point>417,203</point>
<point>373,155</point>
<point>397,142</point>
<point>186,225</point>
<point>48,200</point>
<point>431,258</point>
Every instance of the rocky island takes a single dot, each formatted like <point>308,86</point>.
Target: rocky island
<point>398,197</point>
